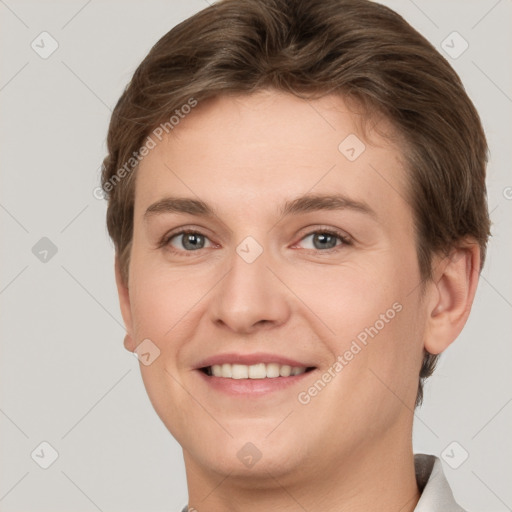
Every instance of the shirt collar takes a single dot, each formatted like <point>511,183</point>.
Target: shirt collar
<point>436,495</point>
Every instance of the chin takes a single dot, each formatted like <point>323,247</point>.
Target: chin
<point>246,455</point>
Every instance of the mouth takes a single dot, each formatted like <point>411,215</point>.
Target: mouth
<point>254,371</point>
<point>252,375</point>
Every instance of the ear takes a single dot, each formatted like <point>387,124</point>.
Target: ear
<point>124,303</point>
<point>454,285</point>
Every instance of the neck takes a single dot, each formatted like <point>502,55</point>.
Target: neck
<point>379,477</point>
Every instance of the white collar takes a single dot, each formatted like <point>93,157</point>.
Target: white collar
<point>436,495</point>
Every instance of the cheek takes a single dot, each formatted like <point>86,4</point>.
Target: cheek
<point>375,315</point>
<point>162,298</point>
<point>352,299</point>
<point>388,372</point>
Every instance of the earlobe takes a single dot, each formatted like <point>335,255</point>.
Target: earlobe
<point>124,303</point>
<point>455,282</point>
<point>129,344</point>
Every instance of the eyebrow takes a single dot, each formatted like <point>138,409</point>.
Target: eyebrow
<point>302,204</point>
<point>315,202</point>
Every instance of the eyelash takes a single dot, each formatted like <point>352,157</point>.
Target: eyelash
<point>345,241</point>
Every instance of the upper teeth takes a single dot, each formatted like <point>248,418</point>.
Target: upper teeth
<point>255,371</point>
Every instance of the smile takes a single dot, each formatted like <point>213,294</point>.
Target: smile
<point>254,371</point>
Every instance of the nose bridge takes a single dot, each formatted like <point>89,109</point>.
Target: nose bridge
<point>250,294</point>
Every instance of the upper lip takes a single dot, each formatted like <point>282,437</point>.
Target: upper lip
<point>250,359</point>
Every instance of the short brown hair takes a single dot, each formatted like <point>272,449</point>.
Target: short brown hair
<point>356,48</point>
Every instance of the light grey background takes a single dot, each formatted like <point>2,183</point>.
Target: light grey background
<point>65,376</point>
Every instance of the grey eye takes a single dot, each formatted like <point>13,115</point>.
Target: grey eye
<point>323,240</point>
<point>189,241</point>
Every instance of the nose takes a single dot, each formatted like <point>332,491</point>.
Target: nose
<point>251,296</point>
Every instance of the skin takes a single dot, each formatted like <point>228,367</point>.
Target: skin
<point>350,447</point>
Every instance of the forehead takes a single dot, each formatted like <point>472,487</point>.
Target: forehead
<point>268,146</point>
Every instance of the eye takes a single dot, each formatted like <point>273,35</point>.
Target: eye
<point>325,240</point>
<point>186,240</point>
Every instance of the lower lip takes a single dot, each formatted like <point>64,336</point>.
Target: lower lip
<point>251,387</point>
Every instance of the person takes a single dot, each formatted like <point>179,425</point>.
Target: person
<point>296,194</point>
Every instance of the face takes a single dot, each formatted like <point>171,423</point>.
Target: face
<point>274,269</point>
